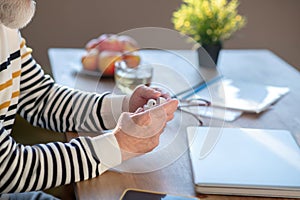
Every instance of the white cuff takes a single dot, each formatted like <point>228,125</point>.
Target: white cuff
<point>107,150</point>
<point>111,110</point>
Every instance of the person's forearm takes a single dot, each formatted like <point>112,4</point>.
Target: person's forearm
<point>46,104</point>
<point>29,168</point>
<point>58,108</point>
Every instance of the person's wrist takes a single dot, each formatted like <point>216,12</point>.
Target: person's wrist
<point>107,150</point>
<point>123,145</point>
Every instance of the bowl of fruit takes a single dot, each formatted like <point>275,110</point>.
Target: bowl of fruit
<point>103,52</point>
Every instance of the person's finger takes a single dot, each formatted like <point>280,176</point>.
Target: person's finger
<point>165,112</point>
<point>141,118</point>
<point>139,110</point>
<point>164,93</point>
<point>162,130</point>
<point>169,106</point>
<point>166,96</point>
<point>170,117</point>
<point>170,111</point>
<point>156,140</point>
<point>149,93</point>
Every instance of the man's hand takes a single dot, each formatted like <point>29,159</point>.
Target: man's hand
<point>138,133</point>
<point>140,96</point>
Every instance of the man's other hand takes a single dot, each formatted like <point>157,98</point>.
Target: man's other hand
<point>138,133</point>
<point>141,95</point>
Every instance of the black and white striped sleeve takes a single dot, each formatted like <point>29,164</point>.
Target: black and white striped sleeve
<point>46,104</point>
<point>30,168</point>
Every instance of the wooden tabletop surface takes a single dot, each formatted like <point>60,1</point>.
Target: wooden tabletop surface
<point>174,175</point>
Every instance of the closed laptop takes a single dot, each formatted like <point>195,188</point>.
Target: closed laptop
<point>238,161</point>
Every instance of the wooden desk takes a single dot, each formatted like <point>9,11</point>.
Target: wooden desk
<point>261,66</point>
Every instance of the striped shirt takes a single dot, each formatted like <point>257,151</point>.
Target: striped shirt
<point>26,90</point>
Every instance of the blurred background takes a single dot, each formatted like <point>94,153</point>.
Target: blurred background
<point>271,24</point>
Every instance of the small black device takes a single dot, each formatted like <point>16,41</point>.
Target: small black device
<point>136,194</point>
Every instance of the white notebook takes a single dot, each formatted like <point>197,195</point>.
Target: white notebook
<point>241,95</point>
<point>251,162</point>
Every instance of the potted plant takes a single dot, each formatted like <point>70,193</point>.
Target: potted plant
<point>208,22</point>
